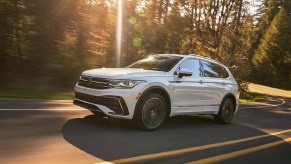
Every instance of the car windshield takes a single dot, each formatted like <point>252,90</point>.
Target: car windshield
<point>157,62</point>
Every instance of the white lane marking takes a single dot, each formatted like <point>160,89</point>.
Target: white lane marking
<point>56,109</point>
<point>263,105</point>
<point>283,102</point>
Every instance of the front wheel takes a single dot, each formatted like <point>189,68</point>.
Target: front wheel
<point>226,111</point>
<point>151,112</point>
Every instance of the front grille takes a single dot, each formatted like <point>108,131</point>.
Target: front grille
<point>94,82</point>
<point>115,103</point>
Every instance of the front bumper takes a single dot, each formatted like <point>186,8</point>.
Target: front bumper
<point>113,102</point>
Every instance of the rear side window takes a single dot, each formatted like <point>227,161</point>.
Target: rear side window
<point>211,69</point>
<point>223,72</point>
<point>192,65</point>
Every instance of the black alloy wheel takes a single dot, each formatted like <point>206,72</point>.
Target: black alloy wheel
<point>151,112</point>
<point>226,111</point>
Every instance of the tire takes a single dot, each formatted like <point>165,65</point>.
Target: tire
<point>151,112</point>
<point>226,111</point>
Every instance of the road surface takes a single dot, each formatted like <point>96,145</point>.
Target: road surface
<point>50,131</point>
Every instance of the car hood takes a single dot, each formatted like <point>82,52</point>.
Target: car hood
<point>122,73</point>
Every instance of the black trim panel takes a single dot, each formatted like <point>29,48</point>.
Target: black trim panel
<point>200,105</point>
<point>115,103</point>
<point>90,107</point>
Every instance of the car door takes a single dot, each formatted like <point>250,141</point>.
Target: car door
<point>188,91</point>
<point>214,78</point>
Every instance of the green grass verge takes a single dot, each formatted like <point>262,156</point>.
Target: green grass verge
<point>249,96</point>
<point>36,94</point>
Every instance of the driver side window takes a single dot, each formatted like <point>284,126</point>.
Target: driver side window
<point>192,65</point>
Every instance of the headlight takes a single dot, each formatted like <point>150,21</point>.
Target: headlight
<point>124,83</point>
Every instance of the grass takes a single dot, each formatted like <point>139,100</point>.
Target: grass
<point>269,90</point>
<point>38,94</point>
<point>249,96</point>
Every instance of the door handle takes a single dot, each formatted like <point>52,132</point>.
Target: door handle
<point>200,81</point>
<point>223,83</point>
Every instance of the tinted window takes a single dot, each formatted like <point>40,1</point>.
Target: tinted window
<point>222,72</point>
<point>192,65</point>
<point>157,62</point>
<point>214,70</point>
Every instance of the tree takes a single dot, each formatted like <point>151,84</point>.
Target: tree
<point>271,59</point>
<point>265,14</point>
<point>58,39</point>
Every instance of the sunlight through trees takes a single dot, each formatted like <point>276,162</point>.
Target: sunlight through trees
<point>49,43</point>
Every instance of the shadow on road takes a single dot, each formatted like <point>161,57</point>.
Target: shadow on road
<point>41,132</point>
<point>117,139</point>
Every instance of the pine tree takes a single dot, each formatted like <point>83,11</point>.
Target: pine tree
<point>265,13</point>
<point>273,52</point>
<point>268,10</point>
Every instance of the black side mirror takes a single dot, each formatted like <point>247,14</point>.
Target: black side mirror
<point>184,72</point>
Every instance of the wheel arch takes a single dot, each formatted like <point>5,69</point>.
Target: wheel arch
<point>232,97</point>
<point>155,89</point>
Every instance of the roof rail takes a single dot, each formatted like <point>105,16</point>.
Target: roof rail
<point>203,57</point>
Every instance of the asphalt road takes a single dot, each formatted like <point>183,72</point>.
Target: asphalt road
<point>39,131</point>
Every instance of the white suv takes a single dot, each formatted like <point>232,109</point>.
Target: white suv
<point>159,86</point>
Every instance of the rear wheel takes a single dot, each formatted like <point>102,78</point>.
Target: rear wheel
<point>151,112</point>
<point>226,111</point>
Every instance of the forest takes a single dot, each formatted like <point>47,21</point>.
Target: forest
<point>46,44</point>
